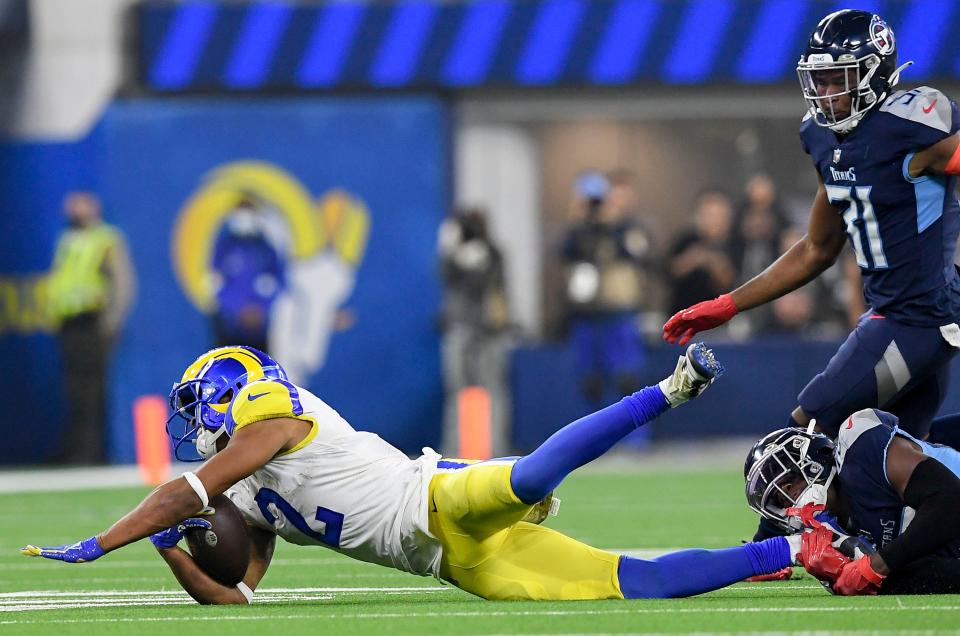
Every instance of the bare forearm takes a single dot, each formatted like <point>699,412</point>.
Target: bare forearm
<point>794,269</point>
<point>195,581</point>
<point>168,504</point>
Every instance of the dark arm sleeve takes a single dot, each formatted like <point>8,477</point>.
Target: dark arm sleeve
<point>926,575</point>
<point>934,492</point>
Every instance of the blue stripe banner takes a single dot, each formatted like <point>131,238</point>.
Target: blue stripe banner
<point>253,50</point>
<point>432,44</point>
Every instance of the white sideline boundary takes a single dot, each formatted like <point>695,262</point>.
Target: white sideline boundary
<point>664,457</point>
<point>67,479</point>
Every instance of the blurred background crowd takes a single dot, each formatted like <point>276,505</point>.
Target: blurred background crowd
<point>404,201</point>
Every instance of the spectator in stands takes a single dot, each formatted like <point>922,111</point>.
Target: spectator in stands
<point>818,309</point>
<point>475,323</point>
<point>700,266</point>
<point>756,241</point>
<point>607,256</point>
<point>793,313</point>
<point>91,287</point>
<point>248,275</point>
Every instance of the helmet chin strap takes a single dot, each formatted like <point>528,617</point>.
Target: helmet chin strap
<point>206,443</point>
<point>817,493</point>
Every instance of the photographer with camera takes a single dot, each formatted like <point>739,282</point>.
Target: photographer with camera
<point>475,324</point>
<point>607,256</point>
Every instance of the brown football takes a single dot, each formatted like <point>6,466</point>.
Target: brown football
<point>223,551</point>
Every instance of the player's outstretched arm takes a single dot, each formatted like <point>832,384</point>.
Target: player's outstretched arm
<point>250,448</point>
<point>941,158</point>
<point>207,591</point>
<point>811,255</point>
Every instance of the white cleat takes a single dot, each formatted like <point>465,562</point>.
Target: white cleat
<point>696,369</point>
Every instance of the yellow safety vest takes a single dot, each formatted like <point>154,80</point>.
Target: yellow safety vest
<point>77,281</point>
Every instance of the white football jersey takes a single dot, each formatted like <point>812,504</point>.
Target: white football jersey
<point>344,489</point>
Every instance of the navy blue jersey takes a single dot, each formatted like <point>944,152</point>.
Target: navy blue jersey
<point>877,509</point>
<point>903,230</point>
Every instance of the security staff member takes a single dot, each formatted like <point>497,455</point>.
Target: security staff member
<point>90,290</point>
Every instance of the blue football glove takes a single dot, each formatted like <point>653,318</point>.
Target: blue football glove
<point>80,552</point>
<point>171,536</point>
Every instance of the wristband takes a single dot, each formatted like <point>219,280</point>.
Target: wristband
<point>198,488</point>
<point>246,591</point>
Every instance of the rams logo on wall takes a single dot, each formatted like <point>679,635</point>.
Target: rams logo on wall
<point>271,265</point>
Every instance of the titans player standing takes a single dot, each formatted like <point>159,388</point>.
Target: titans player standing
<point>887,163</point>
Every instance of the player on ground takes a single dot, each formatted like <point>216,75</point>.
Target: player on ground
<point>900,494</point>
<point>296,469</point>
<point>886,162</point>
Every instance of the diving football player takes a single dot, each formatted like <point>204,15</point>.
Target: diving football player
<point>901,495</point>
<point>298,470</point>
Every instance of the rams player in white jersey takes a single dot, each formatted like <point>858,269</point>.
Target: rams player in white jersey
<point>298,470</point>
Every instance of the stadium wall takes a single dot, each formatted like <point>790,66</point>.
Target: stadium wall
<point>162,168</point>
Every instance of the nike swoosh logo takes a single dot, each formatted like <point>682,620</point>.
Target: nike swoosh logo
<point>927,109</point>
<point>253,396</point>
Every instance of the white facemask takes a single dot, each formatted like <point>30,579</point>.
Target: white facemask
<point>816,495</point>
<point>207,441</point>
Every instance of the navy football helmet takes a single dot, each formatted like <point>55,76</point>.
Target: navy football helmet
<point>202,396</point>
<point>786,469</point>
<point>853,49</point>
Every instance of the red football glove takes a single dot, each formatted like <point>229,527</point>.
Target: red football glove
<point>819,557</point>
<point>807,514</point>
<point>858,577</point>
<point>779,575</point>
<point>684,324</point>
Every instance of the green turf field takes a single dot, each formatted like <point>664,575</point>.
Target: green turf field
<point>311,590</point>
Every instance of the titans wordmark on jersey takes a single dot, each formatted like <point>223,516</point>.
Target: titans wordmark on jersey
<point>878,511</point>
<point>340,488</point>
<point>903,229</point>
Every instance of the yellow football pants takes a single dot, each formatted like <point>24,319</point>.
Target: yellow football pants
<point>490,552</point>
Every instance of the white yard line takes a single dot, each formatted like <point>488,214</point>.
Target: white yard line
<point>638,611</point>
<point>40,600</point>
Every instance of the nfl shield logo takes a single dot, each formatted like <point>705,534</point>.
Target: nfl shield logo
<point>836,155</point>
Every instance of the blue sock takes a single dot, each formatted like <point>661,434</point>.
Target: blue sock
<point>533,477</point>
<point>690,572</point>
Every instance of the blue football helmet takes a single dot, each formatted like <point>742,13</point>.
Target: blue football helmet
<point>863,47</point>
<point>786,469</point>
<point>201,398</point>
